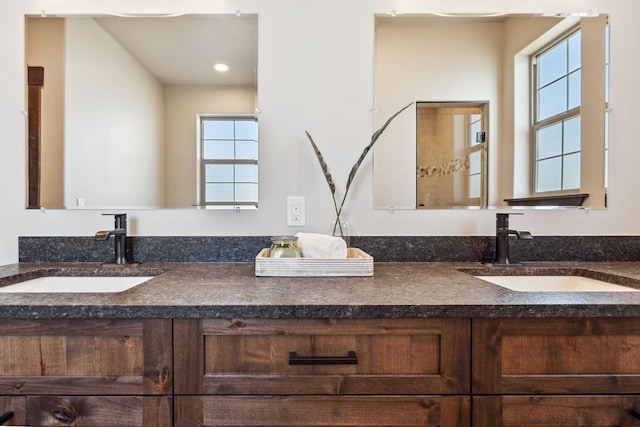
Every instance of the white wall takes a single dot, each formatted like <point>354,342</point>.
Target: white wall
<point>182,106</point>
<point>114,152</point>
<point>316,73</point>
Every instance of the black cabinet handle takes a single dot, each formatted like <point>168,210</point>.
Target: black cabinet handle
<point>64,416</point>
<point>635,413</point>
<point>6,417</point>
<point>351,359</point>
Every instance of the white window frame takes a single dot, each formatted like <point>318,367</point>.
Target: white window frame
<point>203,162</point>
<point>478,147</point>
<point>559,118</point>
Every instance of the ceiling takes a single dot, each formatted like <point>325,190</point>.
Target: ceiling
<point>181,51</point>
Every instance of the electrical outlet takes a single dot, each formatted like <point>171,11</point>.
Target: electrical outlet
<point>295,211</point>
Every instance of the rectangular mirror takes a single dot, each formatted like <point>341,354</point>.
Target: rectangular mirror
<point>543,81</point>
<point>116,118</point>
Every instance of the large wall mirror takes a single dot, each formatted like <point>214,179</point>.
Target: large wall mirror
<point>132,111</point>
<point>534,89</point>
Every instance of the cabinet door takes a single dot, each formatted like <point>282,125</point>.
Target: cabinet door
<point>556,356</point>
<point>315,356</point>
<point>116,411</point>
<point>531,411</point>
<point>447,411</point>
<point>83,357</point>
<point>13,408</point>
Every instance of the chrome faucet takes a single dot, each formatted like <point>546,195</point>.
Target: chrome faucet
<point>120,236</point>
<point>502,238</point>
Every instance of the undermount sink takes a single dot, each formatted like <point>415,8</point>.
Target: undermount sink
<point>556,283</point>
<point>76,284</point>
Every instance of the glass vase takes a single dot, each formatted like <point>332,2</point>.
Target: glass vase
<point>284,247</point>
<point>340,228</point>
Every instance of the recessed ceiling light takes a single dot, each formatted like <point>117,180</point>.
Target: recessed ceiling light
<point>221,67</point>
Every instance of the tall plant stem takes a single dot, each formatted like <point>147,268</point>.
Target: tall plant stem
<point>354,169</point>
<point>366,150</point>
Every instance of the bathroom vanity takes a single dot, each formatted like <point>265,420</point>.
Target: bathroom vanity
<point>416,344</point>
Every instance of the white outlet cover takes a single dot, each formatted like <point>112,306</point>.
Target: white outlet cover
<point>295,211</point>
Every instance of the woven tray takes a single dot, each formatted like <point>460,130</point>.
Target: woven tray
<point>357,263</point>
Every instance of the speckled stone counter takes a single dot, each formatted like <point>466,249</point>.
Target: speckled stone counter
<point>383,248</point>
<point>228,290</point>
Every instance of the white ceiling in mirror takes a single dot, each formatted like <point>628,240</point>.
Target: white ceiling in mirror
<point>181,51</point>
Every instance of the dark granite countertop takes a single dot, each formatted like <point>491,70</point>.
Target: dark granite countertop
<point>226,290</point>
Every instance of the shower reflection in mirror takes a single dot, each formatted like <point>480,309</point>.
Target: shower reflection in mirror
<point>451,154</point>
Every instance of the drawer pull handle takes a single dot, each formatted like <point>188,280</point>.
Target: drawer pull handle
<point>6,417</point>
<point>351,359</point>
<point>635,413</point>
<point>64,416</point>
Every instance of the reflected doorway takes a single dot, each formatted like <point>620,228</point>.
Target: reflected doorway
<point>451,154</point>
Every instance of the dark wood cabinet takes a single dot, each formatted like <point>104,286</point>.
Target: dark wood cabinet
<point>556,356</point>
<point>367,372</point>
<point>579,410</point>
<point>322,410</point>
<point>116,411</point>
<point>83,372</point>
<point>562,372</point>
<point>321,372</point>
<point>83,357</point>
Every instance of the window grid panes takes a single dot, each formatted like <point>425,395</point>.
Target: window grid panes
<point>556,129</point>
<point>558,156</point>
<point>475,156</point>
<point>229,172</point>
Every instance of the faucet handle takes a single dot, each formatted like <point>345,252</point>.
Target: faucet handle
<point>501,214</point>
<point>502,219</point>
<point>120,219</point>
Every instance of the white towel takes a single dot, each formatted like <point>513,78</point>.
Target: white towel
<point>313,245</point>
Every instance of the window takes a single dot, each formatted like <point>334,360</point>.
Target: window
<point>229,165</point>
<point>476,139</point>
<point>556,122</point>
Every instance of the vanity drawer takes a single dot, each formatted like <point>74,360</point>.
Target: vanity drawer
<point>113,411</point>
<point>531,411</point>
<point>556,356</point>
<point>318,356</point>
<point>84,357</point>
<point>445,411</point>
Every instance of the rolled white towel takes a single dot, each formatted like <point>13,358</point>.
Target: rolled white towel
<point>314,245</point>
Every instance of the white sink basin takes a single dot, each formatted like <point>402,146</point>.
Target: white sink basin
<point>66,284</point>
<point>555,284</point>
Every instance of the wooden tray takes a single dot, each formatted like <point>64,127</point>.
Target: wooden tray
<point>357,263</point>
